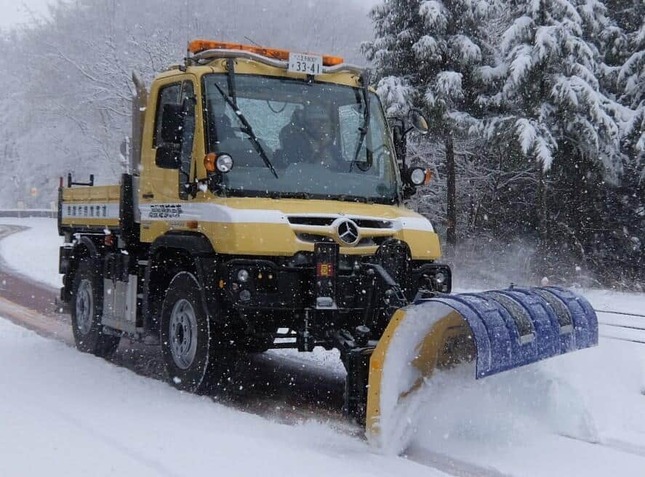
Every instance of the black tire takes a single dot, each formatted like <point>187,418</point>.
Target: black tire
<point>87,309</point>
<point>195,359</point>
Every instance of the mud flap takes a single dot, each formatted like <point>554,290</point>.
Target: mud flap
<point>499,330</point>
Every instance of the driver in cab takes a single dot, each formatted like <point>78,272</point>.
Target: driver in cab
<point>310,137</point>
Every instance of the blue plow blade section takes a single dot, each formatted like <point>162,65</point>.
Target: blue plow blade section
<point>498,329</point>
<point>519,326</point>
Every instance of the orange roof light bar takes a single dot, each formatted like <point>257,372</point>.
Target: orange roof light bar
<point>197,46</point>
<point>329,60</point>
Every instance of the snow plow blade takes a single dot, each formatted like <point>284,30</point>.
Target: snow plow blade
<point>499,329</point>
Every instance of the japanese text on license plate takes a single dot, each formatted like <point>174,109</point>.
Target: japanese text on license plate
<point>307,64</point>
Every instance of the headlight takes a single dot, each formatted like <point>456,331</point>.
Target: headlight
<point>419,176</point>
<point>439,278</point>
<point>243,276</point>
<point>224,163</point>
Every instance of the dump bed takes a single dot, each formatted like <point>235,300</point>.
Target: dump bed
<point>96,208</point>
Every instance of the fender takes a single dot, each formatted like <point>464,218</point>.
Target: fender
<point>86,242</point>
<point>68,263</point>
<point>69,256</point>
<point>194,243</point>
<point>203,257</point>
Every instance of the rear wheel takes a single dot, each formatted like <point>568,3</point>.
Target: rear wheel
<point>194,356</point>
<point>87,309</point>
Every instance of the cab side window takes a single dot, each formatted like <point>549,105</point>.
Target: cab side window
<point>170,94</point>
<point>175,95</point>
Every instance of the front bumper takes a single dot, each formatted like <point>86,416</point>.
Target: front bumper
<point>261,284</point>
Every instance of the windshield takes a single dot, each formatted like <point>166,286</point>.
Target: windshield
<point>310,132</point>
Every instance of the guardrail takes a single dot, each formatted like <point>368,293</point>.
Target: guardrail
<point>631,324</point>
<point>25,213</point>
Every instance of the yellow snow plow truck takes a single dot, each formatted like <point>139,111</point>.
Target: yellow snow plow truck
<point>264,208</point>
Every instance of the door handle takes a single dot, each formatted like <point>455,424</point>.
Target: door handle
<point>148,195</point>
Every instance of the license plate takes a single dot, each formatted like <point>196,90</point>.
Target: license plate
<point>306,64</point>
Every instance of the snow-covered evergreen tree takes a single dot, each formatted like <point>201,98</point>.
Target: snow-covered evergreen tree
<point>631,83</point>
<point>435,55</point>
<point>555,110</point>
<point>554,87</point>
<point>620,36</point>
<point>553,98</point>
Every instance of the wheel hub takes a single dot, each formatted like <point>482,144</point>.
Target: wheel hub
<point>183,334</point>
<point>84,307</point>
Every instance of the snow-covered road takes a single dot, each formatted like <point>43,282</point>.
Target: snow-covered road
<point>67,413</point>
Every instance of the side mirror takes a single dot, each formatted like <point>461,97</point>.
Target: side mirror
<point>168,156</point>
<point>172,123</point>
<point>418,121</point>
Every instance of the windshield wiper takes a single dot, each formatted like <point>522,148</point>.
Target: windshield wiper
<point>353,198</point>
<point>365,127</point>
<point>247,129</point>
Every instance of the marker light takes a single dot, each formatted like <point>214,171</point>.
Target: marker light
<point>209,162</point>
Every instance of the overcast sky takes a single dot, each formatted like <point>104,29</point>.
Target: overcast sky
<point>16,12</point>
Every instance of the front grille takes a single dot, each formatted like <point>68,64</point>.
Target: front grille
<point>312,238</point>
<point>327,221</point>
<point>314,221</point>
<point>373,224</point>
<point>364,242</point>
<point>366,226</point>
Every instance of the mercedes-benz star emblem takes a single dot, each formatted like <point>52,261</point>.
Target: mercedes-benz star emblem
<point>348,232</point>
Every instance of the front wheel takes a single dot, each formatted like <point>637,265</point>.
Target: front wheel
<point>87,309</point>
<point>193,355</point>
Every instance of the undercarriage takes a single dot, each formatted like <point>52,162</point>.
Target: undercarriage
<point>318,296</point>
